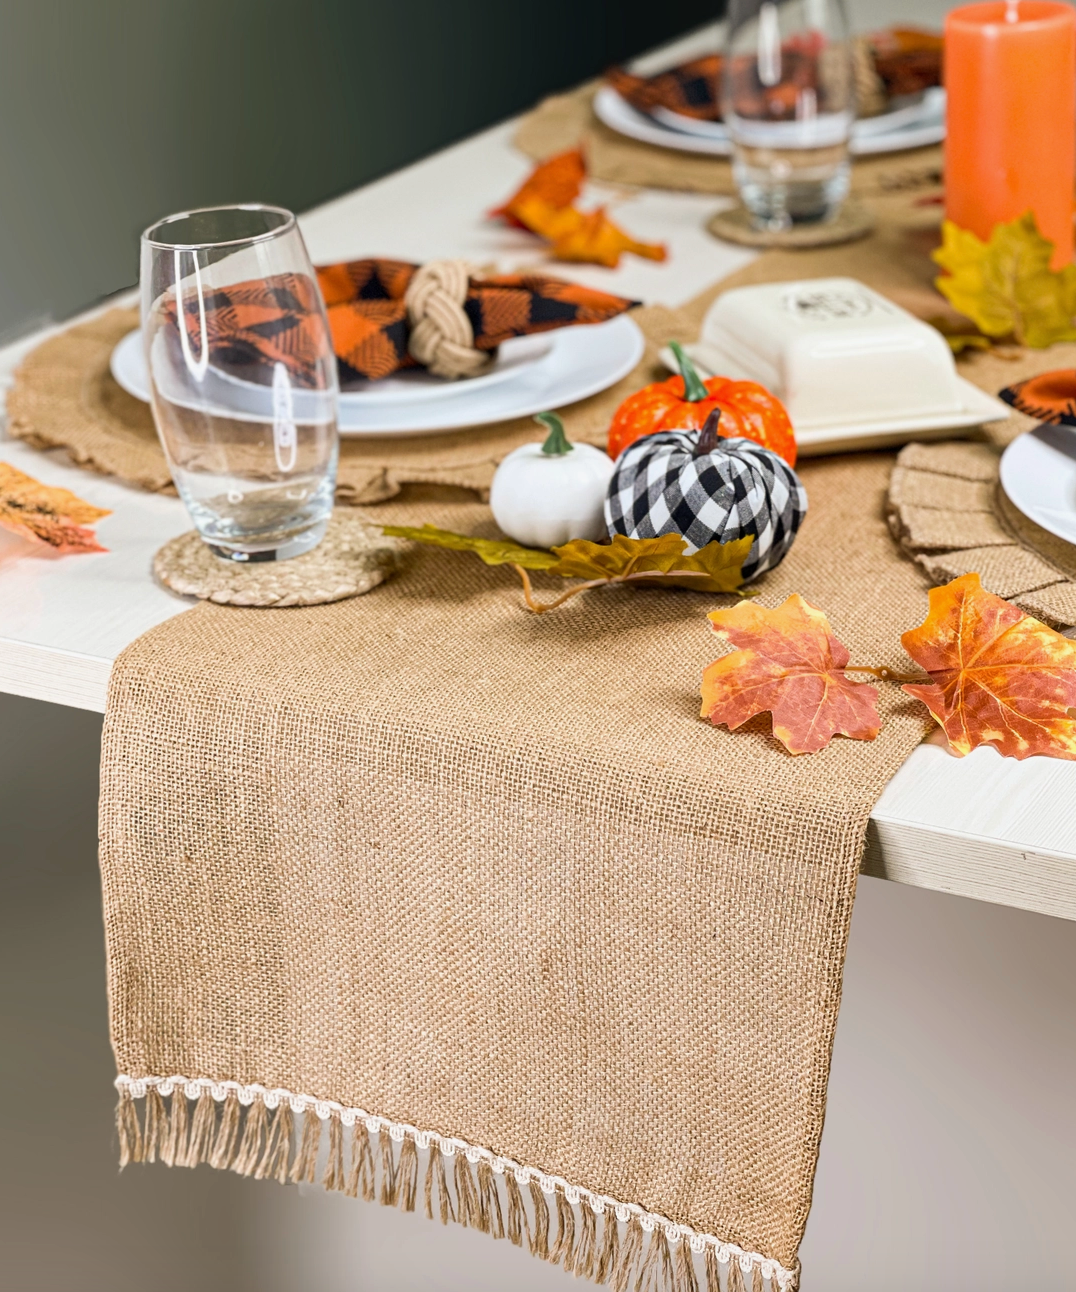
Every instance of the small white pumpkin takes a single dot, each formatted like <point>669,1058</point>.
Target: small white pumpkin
<point>547,494</point>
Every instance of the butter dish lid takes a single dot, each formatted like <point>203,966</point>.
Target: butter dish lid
<point>851,367</point>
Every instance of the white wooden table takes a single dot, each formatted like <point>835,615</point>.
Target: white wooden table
<point>980,826</point>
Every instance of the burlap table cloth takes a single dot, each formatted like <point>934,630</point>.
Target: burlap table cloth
<point>478,897</point>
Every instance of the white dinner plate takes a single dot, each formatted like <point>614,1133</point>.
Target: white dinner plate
<point>1038,473</point>
<point>554,369</point>
<point>407,387</point>
<point>913,127</point>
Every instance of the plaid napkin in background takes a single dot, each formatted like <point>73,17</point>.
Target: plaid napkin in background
<point>275,320</point>
<point>903,60</point>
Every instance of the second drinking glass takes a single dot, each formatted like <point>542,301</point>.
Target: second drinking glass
<point>788,102</point>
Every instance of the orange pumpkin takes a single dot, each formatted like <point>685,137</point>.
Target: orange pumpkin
<point>684,403</point>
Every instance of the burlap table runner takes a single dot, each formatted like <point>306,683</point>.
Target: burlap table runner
<point>478,896</point>
<point>487,876</point>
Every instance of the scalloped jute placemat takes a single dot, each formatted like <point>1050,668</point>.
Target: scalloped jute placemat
<point>352,558</point>
<point>64,396</point>
<point>948,511</point>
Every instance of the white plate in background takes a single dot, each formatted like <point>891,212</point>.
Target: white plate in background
<point>915,130</point>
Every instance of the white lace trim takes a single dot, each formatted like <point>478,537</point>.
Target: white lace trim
<point>599,1203</point>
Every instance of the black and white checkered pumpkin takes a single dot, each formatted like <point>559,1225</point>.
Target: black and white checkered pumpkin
<point>663,484</point>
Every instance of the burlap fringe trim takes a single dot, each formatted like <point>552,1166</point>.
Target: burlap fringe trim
<point>636,1250</point>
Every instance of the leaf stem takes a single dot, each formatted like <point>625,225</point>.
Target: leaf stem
<point>886,674</point>
<point>694,390</point>
<point>539,608</point>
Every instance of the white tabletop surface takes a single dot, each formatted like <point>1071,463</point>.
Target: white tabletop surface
<point>981,826</point>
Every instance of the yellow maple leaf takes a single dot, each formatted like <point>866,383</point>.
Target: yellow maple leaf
<point>1006,286</point>
<point>585,236</point>
<point>717,567</point>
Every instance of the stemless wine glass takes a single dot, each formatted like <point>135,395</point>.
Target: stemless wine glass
<point>788,100</point>
<point>243,377</point>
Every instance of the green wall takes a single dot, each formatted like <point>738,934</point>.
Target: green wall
<point>114,112</point>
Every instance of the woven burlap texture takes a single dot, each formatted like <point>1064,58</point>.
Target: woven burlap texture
<point>429,855</point>
<point>948,510</point>
<point>567,121</point>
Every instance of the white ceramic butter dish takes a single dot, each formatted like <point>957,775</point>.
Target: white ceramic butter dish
<point>853,369</point>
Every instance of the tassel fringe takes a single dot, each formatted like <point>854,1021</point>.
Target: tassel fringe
<point>361,1178</point>
<point>334,1177</point>
<point>407,1176</point>
<point>519,1227</point>
<point>252,1131</point>
<point>610,1253</point>
<point>255,1130</point>
<point>540,1233</point>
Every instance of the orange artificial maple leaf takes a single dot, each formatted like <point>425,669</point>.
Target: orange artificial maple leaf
<point>791,665</point>
<point>999,677</point>
<point>46,514</point>
<point>556,181</point>
<point>586,236</point>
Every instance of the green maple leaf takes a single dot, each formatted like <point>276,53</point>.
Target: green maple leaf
<point>494,551</point>
<point>1006,286</point>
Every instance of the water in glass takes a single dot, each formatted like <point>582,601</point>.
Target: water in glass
<point>243,378</point>
<point>788,102</point>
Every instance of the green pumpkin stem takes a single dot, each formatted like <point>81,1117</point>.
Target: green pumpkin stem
<point>694,390</point>
<point>709,437</point>
<point>556,443</point>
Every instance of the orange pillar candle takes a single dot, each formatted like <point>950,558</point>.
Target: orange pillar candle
<point>1010,78</point>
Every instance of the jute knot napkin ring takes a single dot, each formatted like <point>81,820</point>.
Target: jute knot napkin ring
<point>442,336</point>
<point>352,558</point>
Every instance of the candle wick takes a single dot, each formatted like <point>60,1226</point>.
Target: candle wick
<point>1012,10</point>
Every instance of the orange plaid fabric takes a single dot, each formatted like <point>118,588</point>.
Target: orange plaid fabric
<point>906,58</point>
<point>276,320</point>
<point>693,89</point>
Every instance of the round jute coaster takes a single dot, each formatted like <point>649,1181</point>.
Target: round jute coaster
<point>851,222</point>
<point>353,557</point>
<point>948,511</point>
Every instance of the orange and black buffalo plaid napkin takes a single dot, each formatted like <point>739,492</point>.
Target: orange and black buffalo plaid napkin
<point>907,60</point>
<point>693,89</point>
<point>276,319</point>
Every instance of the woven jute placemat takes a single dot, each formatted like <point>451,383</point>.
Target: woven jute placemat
<point>64,396</point>
<point>353,557</point>
<point>567,121</point>
<point>948,511</point>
